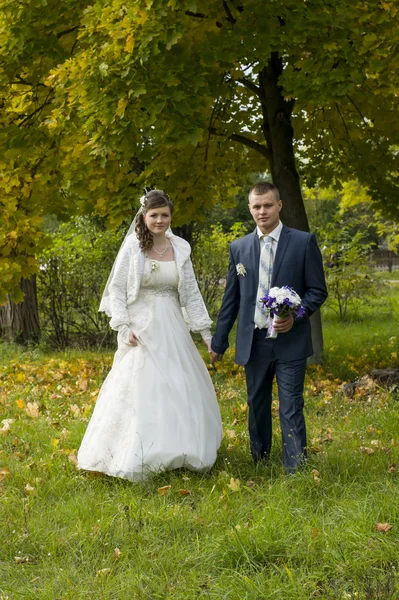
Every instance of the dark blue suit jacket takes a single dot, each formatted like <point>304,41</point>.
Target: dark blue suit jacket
<point>298,263</point>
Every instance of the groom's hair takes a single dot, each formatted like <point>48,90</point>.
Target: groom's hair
<point>262,187</point>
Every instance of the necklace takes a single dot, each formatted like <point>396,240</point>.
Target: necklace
<point>163,251</point>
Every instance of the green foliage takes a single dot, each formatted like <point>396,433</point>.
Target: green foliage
<point>347,262</point>
<point>101,99</point>
<point>72,275</point>
<point>211,259</point>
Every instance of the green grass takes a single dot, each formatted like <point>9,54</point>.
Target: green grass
<point>240,532</point>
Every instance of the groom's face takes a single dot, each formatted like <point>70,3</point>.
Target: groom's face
<point>265,210</point>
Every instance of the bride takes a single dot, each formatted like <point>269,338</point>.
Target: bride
<point>157,409</point>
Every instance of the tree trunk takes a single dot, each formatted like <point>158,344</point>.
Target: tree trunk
<point>279,135</point>
<point>185,231</point>
<point>20,322</point>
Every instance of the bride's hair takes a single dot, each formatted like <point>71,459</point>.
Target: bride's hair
<point>152,199</point>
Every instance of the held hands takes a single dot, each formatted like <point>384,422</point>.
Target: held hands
<point>283,325</point>
<point>133,340</point>
<point>213,355</point>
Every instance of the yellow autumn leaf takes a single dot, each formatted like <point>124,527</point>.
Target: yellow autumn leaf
<point>21,559</point>
<point>103,572</point>
<point>20,403</point>
<point>73,458</point>
<point>116,553</point>
<point>162,491</point>
<point>32,409</point>
<point>75,410</point>
<point>184,492</point>
<point>234,485</point>
<point>120,111</point>
<point>4,472</point>
<point>383,527</point>
<point>29,489</point>
<point>83,383</point>
<point>6,425</point>
<point>129,43</point>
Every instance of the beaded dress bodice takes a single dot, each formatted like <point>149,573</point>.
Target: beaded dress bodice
<point>159,278</point>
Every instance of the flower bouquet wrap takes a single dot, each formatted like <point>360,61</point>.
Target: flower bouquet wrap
<point>279,303</point>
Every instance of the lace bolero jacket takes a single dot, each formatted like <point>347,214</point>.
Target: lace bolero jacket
<point>125,285</point>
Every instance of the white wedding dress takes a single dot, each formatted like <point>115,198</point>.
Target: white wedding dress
<point>157,409</point>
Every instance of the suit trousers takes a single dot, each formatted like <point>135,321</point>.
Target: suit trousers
<point>260,370</point>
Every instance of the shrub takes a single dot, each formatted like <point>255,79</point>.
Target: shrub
<point>73,273</point>
<point>347,264</point>
<point>211,259</point>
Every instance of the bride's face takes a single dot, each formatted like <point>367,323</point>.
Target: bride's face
<point>158,219</point>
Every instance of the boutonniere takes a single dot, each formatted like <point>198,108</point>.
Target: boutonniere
<point>241,269</point>
<point>154,266</point>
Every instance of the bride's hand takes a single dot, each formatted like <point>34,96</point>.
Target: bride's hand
<point>208,344</point>
<point>133,340</point>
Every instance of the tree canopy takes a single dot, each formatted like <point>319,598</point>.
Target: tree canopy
<point>103,98</point>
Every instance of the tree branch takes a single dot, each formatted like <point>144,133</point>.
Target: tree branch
<point>357,108</point>
<point>61,33</point>
<point>251,86</point>
<point>245,141</point>
<point>342,118</point>
<point>22,81</point>
<point>190,13</point>
<point>229,14</point>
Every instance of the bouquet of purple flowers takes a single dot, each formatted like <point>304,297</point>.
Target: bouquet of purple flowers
<point>281,302</point>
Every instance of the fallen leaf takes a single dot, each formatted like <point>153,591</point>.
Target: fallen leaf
<point>316,474</point>
<point>83,383</point>
<point>4,473</point>
<point>32,409</point>
<point>20,403</point>
<point>162,491</point>
<point>75,410</point>
<point>234,485</point>
<point>73,458</point>
<point>315,532</point>
<point>6,424</point>
<point>383,527</point>
<point>392,468</point>
<point>29,489</point>
<point>116,553</point>
<point>250,483</point>
<point>183,492</point>
<point>103,572</point>
<point>230,433</point>
<point>21,559</point>
<point>367,450</point>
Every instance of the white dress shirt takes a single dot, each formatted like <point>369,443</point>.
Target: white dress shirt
<point>275,234</point>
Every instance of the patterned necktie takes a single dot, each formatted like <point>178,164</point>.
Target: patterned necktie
<point>265,278</point>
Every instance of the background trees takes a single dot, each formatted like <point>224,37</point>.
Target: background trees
<point>103,98</point>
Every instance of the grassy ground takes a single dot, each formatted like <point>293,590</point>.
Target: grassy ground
<point>329,532</point>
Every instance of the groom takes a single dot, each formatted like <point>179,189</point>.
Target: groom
<point>273,255</point>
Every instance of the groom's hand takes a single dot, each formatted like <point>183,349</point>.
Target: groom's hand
<point>215,356</point>
<point>283,325</point>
